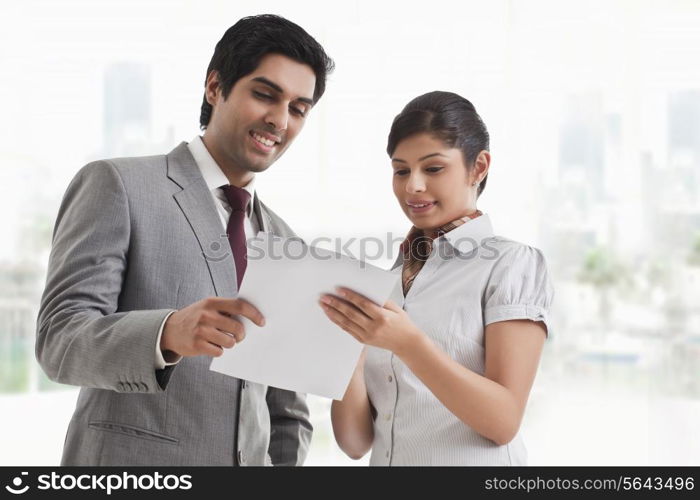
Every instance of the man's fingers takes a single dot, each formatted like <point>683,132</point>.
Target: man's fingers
<point>245,308</point>
<point>228,324</point>
<point>223,338</point>
<point>235,307</point>
<point>208,349</point>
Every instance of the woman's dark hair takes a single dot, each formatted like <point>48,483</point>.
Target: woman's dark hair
<point>448,117</point>
<point>244,44</point>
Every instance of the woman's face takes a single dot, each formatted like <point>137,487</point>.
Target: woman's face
<point>431,181</point>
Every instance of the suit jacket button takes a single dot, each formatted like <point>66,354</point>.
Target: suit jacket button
<point>241,457</point>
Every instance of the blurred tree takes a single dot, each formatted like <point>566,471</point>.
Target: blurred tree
<point>603,271</point>
<point>658,274</point>
<point>694,256</point>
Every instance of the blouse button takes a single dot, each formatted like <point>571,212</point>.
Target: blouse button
<point>391,379</point>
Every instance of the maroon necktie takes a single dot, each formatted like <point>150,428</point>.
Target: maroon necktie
<point>238,198</point>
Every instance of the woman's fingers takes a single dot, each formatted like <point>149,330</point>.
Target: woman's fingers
<point>362,303</point>
<point>346,308</point>
<point>392,306</point>
<point>343,321</point>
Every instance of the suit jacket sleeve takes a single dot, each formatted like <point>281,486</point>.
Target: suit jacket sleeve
<point>82,337</point>
<point>290,428</point>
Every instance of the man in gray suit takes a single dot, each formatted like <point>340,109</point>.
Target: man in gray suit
<point>145,268</point>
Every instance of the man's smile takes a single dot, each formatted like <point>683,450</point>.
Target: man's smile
<point>263,141</point>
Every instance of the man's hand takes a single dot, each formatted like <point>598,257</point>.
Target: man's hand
<point>207,327</point>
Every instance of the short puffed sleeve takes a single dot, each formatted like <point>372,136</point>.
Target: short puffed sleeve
<point>519,287</point>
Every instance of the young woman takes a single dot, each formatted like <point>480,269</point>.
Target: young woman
<point>448,364</point>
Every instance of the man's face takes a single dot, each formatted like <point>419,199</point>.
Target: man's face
<point>262,115</point>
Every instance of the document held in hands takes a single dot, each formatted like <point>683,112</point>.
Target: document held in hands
<point>299,348</point>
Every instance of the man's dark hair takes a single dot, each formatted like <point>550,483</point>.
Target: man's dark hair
<point>244,44</point>
<point>448,117</point>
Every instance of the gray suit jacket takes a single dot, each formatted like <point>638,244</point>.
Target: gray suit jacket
<point>135,239</point>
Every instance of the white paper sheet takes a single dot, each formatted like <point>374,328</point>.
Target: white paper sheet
<point>299,348</point>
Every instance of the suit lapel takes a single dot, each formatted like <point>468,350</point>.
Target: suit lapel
<point>264,222</point>
<point>197,205</point>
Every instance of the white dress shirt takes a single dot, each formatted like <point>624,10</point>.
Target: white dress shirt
<point>215,178</point>
<point>471,279</point>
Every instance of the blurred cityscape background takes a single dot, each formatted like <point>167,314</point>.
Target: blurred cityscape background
<point>594,112</point>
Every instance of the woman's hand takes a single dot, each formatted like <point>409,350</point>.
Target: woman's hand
<point>387,327</point>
